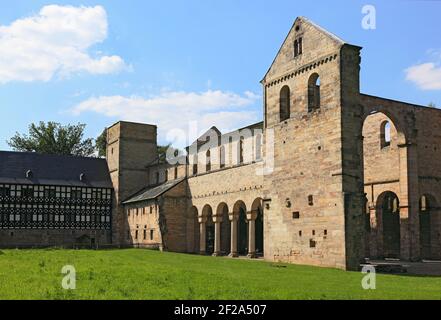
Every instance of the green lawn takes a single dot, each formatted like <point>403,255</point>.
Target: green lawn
<point>144,274</point>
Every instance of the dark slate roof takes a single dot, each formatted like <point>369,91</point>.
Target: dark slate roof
<point>53,170</point>
<point>153,192</point>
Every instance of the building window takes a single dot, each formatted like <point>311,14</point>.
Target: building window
<point>314,92</point>
<point>49,193</point>
<point>195,165</point>
<point>241,150</point>
<point>145,234</point>
<point>222,156</point>
<point>385,134</point>
<point>208,161</point>
<point>97,194</point>
<point>151,209</point>
<point>298,47</point>
<point>284,102</point>
<point>176,173</point>
<point>311,200</point>
<point>259,147</point>
<point>136,234</point>
<point>5,192</point>
<point>423,203</point>
<point>151,234</point>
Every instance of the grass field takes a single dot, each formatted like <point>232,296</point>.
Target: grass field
<point>143,274</point>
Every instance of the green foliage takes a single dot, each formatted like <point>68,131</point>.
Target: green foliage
<point>101,143</point>
<point>145,274</point>
<point>163,157</point>
<point>54,138</point>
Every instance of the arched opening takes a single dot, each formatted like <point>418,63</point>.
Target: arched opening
<point>208,161</point>
<point>285,107</point>
<point>298,47</point>
<point>258,209</point>
<point>222,156</point>
<point>242,228</point>
<point>209,229</point>
<point>313,92</point>
<point>225,239</point>
<point>241,150</point>
<point>426,214</point>
<point>385,134</point>
<point>389,209</point>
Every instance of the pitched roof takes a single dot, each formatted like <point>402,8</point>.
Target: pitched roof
<point>53,170</point>
<point>153,192</point>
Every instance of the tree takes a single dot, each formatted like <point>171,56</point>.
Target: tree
<point>54,138</point>
<point>101,143</point>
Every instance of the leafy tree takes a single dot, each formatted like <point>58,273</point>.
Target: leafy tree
<point>54,138</point>
<point>101,143</point>
<point>162,153</point>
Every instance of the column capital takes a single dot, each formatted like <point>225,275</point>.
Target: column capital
<point>217,218</point>
<point>252,215</point>
<point>234,216</point>
<point>202,219</point>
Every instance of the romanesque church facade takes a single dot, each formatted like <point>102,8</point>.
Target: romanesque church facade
<point>329,177</point>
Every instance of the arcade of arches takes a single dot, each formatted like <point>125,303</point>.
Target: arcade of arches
<point>233,231</point>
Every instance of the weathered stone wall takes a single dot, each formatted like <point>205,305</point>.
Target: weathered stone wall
<point>131,148</point>
<point>412,160</point>
<point>307,153</point>
<point>54,238</point>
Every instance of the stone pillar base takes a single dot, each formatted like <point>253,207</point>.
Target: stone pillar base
<point>217,254</point>
<point>233,255</point>
<point>252,255</point>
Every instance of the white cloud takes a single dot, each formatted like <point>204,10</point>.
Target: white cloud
<point>55,42</point>
<point>173,110</point>
<point>426,76</point>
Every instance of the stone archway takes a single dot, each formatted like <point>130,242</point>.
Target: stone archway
<point>388,211</point>
<point>240,213</point>
<point>207,242</point>
<point>225,228</point>
<point>257,213</point>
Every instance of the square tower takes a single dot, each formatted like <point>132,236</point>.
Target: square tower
<point>311,94</point>
<point>131,149</point>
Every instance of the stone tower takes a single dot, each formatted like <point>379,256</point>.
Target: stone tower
<point>131,149</point>
<point>315,193</point>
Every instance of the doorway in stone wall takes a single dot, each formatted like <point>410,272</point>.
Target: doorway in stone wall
<point>209,239</point>
<point>242,238</point>
<point>391,225</point>
<point>259,232</point>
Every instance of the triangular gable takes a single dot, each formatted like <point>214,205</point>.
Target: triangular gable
<point>302,21</point>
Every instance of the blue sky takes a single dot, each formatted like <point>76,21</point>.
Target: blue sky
<point>165,62</point>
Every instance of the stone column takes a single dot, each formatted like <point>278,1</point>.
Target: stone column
<point>217,235</point>
<point>409,203</point>
<point>233,251</point>
<point>202,235</point>
<point>251,217</point>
